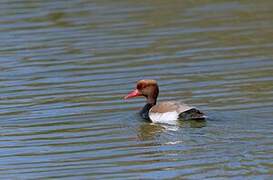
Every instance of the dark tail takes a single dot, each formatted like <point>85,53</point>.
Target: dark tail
<point>192,114</point>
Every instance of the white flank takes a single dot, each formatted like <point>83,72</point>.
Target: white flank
<point>167,117</point>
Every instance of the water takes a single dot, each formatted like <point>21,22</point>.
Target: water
<point>66,65</point>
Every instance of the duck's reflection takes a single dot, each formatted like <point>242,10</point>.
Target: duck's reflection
<point>150,131</point>
<point>192,123</point>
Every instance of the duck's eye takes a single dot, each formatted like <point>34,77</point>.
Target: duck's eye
<point>141,86</point>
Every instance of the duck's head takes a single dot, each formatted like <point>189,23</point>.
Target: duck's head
<point>147,88</point>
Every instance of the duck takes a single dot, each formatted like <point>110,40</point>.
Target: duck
<point>163,112</point>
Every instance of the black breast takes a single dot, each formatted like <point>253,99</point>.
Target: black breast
<point>144,113</point>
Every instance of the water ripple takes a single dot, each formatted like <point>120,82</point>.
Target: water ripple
<point>65,67</point>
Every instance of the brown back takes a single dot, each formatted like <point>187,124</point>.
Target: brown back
<point>170,106</point>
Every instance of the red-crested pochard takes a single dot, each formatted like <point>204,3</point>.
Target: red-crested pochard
<point>166,111</point>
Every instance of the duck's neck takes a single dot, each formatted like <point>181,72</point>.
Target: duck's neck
<point>151,101</point>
